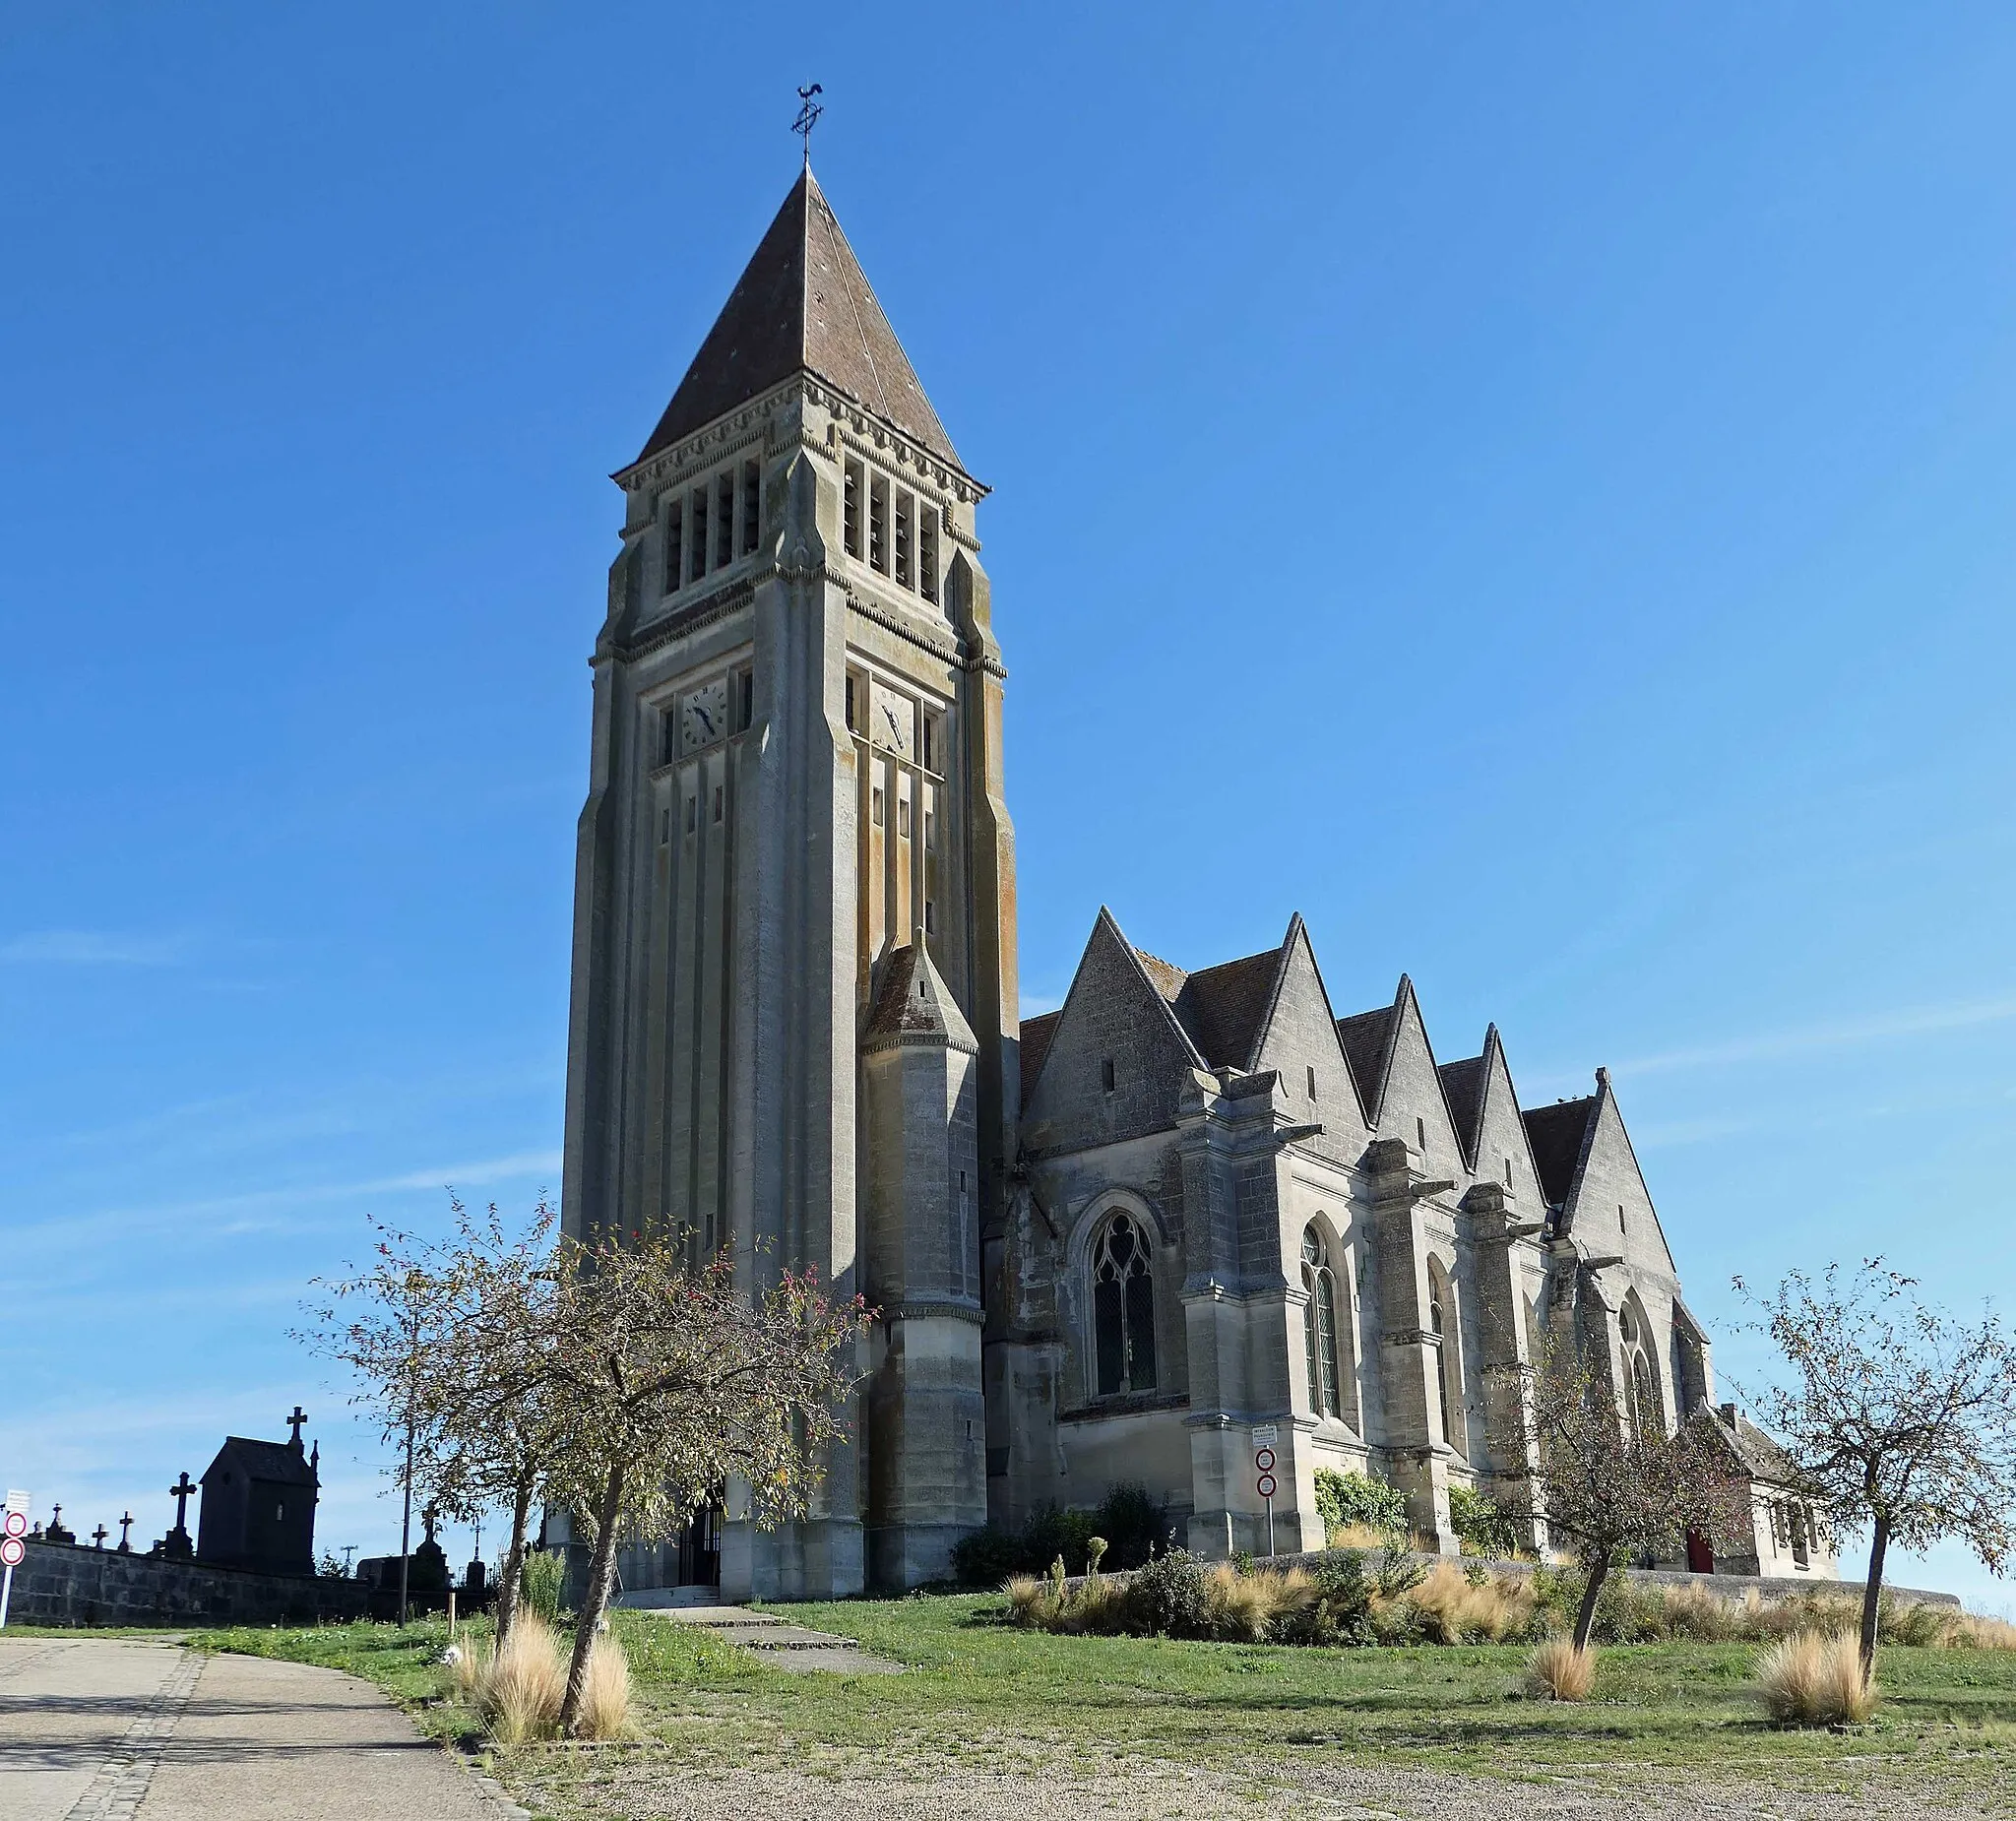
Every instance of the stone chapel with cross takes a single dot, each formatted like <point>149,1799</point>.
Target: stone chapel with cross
<point>1109,1242</point>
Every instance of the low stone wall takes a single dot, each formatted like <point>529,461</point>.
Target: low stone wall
<point>59,1583</point>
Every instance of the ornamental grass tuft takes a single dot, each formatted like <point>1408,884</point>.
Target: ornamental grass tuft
<point>606,1693</point>
<point>1561,1672</point>
<point>1815,1679</point>
<point>519,1689</point>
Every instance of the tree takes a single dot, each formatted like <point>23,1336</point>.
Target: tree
<point>1898,1417</point>
<point>1608,1485</point>
<point>498,1424</point>
<point>389,1324</point>
<point>674,1382</point>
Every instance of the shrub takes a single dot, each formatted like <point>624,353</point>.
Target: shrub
<point>1134,1523</point>
<point>1481,1527</point>
<point>1811,1679</point>
<point>605,1694</point>
<point>1168,1597</point>
<point>1561,1672</point>
<point>1344,1500</point>
<point>541,1580</point>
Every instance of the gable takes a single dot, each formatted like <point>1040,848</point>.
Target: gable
<point>1111,1016</point>
<point>1299,1038</point>
<point>1413,1105</point>
<point>1609,1179</point>
<point>1501,1132</point>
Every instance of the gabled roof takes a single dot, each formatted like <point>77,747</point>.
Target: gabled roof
<point>1560,1135</point>
<point>1224,1007</point>
<point>277,1462</point>
<point>1758,1453</point>
<point>1367,1039</point>
<point>1163,975</point>
<point>803,304</point>
<point>913,1005</point>
<point>1464,1085</point>
<point>1037,1034</point>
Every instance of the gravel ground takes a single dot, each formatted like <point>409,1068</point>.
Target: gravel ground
<point>1132,1791</point>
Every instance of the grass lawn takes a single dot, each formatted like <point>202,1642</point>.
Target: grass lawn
<point>982,1696</point>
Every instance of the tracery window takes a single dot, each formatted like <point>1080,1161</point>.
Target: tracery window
<point>1319,1325</point>
<point>1641,1389</point>
<point>1122,1308</point>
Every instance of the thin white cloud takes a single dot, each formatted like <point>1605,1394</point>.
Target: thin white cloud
<point>257,1210</point>
<point>93,948</point>
<point>1768,1045</point>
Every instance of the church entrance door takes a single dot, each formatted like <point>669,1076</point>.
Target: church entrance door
<point>699,1548</point>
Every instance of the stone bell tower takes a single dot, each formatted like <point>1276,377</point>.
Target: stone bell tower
<point>795,825</point>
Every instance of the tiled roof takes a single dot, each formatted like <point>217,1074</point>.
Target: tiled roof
<point>803,304</point>
<point>1364,1036</point>
<point>275,1462</point>
<point>1037,1034</point>
<point>1557,1133</point>
<point>1222,1007</point>
<point>1164,975</point>
<point>1463,1086</point>
<point>1761,1457</point>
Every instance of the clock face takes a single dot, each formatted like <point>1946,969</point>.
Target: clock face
<point>705,714</point>
<point>893,725</point>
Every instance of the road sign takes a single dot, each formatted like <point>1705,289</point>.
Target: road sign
<point>12,1550</point>
<point>16,1524</point>
<point>17,1501</point>
<point>1265,1435</point>
<point>1266,1485</point>
<point>1263,1458</point>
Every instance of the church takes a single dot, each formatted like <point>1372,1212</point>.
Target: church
<point>1115,1243</point>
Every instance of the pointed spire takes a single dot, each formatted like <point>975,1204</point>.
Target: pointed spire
<point>803,304</point>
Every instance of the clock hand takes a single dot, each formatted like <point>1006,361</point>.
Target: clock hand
<point>706,718</point>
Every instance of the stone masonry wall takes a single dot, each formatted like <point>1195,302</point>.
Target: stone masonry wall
<point>62,1584</point>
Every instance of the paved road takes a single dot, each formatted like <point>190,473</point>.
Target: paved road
<point>103,1730</point>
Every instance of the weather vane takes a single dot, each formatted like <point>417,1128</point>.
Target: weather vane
<point>809,111</point>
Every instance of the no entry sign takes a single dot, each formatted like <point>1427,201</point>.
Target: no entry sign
<point>13,1552</point>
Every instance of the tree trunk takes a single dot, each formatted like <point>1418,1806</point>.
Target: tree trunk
<point>601,1569</point>
<point>1591,1592</point>
<point>1872,1595</point>
<point>514,1561</point>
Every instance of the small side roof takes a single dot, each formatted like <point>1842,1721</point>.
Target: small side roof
<point>1037,1034</point>
<point>1560,1135</point>
<point>913,1005</point>
<point>1367,1039</point>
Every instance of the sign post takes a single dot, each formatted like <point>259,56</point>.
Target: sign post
<point>1263,1465</point>
<point>11,1549</point>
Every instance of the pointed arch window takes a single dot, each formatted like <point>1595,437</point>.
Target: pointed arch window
<point>1319,1325</point>
<point>1122,1308</point>
<point>1447,1330</point>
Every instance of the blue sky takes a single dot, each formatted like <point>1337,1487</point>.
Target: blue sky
<point>1530,489</point>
